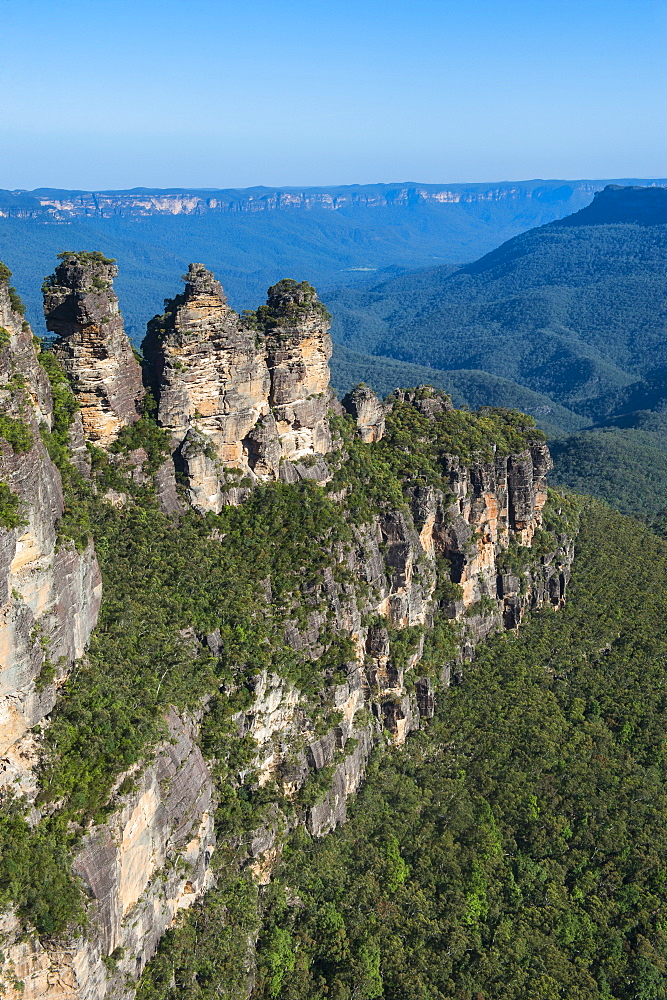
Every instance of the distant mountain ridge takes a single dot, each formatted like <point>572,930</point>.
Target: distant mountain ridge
<point>251,238</point>
<point>641,205</point>
<point>576,309</point>
<point>54,204</point>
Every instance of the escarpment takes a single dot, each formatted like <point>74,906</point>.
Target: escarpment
<point>249,660</point>
<point>49,591</point>
<point>81,309</point>
<point>245,397</point>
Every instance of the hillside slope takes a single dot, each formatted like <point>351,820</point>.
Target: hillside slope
<point>575,309</point>
<point>467,387</point>
<point>623,463</point>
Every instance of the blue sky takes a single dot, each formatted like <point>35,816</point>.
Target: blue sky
<point>161,93</point>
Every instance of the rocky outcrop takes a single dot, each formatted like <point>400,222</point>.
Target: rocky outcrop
<point>465,555</point>
<point>241,395</point>
<point>247,400</point>
<point>81,309</point>
<point>150,860</point>
<point>368,411</point>
<point>49,593</point>
<point>209,377</point>
<point>296,326</point>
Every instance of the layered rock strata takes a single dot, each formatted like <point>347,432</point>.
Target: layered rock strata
<point>240,397</point>
<point>49,593</point>
<point>491,508</point>
<point>81,309</point>
<point>368,411</point>
<point>150,860</point>
<point>298,344</point>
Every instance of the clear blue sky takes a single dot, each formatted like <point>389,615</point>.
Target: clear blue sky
<point>209,93</point>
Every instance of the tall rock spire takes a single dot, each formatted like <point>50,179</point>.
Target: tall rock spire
<point>81,308</point>
<point>248,393</point>
<point>208,373</point>
<point>298,346</point>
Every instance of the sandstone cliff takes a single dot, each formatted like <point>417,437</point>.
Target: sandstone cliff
<point>152,857</point>
<point>81,309</point>
<point>49,592</point>
<point>150,860</point>
<point>63,205</point>
<point>444,541</point>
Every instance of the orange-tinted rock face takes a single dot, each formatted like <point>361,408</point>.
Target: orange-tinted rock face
<point>208,372</point>
<point>81,308</point>
<point>298,352</point>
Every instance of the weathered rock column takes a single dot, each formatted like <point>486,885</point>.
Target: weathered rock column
<point>208,370</point>
<point>81,308</point>
<point>248,394</point>
<point>368,411</point>
<point>298,345</point>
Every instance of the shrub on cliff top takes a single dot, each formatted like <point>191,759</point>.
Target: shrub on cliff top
<point>289,301</point>
<point>86,257</point>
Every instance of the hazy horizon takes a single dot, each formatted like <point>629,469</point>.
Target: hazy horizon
<point>652,181</point>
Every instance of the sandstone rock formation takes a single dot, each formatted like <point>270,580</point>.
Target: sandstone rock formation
<point>207,373</point>
<point>240,394</point>
<point>368,411</point>
<point>150,860</point>
<point>296,326</point>
<point>248,396</point>
<point>49,594</point>
<point>81,308</point>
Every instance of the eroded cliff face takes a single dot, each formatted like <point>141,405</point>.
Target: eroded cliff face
<point>152,857</point>
<point>368,411</point>
<point>209,376</point>
<point>81,309</point>
<point>455,560</point>
<point>461,557</point>
<point>49,593</point>
<point>241,397</point>
<point>298,345</point>
<point>150,860</point>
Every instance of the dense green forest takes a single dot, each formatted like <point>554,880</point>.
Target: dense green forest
<point>576,309</point>
<point>514,850</point>
<point>624,464</point>
<point>466,387</point>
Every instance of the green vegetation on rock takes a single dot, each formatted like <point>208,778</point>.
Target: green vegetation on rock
<point>10,508</point>
<point>414,447</point>
<point>515,848</point>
